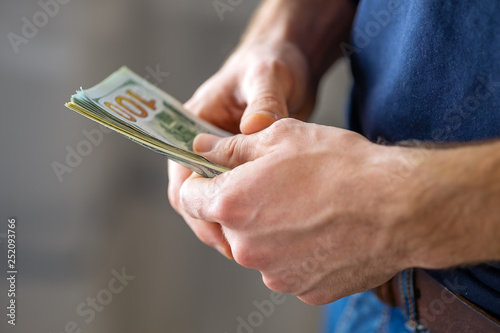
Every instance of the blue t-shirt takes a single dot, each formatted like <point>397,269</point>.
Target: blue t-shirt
<point>430,70</point>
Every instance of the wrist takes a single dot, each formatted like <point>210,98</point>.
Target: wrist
<point>393,168</point>
<point>316,27</point>
<point>451,208</point>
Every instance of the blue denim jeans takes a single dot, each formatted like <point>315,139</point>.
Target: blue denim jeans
<point>364,312</point>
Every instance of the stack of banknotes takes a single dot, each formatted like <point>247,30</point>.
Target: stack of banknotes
<point>137,109</point>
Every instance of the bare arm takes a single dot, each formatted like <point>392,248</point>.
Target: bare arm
<point>322,212</point>
<point>453,206</point>
<point>317,27</point>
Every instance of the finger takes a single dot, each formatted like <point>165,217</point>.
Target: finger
<point>216,106</point>
<point>216,200</point>
<point>199,196</point>
<point>265,89</point>
<point>211,234</point>
<point>232,151</point>
<point>177,175</point>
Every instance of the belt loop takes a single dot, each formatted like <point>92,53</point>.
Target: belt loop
<point>406,287</point>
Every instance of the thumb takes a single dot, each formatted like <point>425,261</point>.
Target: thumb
<point>266,101</point>
<point>231,151</point>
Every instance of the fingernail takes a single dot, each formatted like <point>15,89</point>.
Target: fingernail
<point>265,114</point>
<point>258,121</point>
<point>204,143</point>
<point>223,250</point>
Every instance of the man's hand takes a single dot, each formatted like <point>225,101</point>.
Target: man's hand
<point>313,208</point>
<point>256,86</point>
<point>306,205</point>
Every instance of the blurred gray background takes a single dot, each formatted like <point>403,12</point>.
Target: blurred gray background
<point>111,212</point>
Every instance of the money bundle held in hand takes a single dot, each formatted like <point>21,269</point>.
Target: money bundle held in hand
<point>137,109</point>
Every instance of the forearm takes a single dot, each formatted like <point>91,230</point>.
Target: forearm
<point>317,27</point>
<point>455,206</point>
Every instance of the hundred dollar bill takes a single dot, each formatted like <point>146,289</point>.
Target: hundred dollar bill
<point>137,109</point>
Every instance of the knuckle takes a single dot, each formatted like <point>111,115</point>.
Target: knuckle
<point>205,235</point>
<point>279,67</point>
<point>234,150</point>
<point>246,257</point>
<point>275,66</point>
<point>173,197</point>
<point>315,298</point>
<point>261,66</point>
<point>350,138</point>
<point>289,282</point>
<point>228,204</point>
<point>181,198</point>
<point>224,209</point>
<point>281,129</point>
<point>231,146</point>
<point>284,125</point>
<point>284,74</point>
<point>277,284</point>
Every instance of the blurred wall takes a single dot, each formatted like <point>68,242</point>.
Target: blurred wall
<point>110,216</point>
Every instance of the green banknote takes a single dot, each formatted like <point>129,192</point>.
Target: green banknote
<point>137,109</point>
